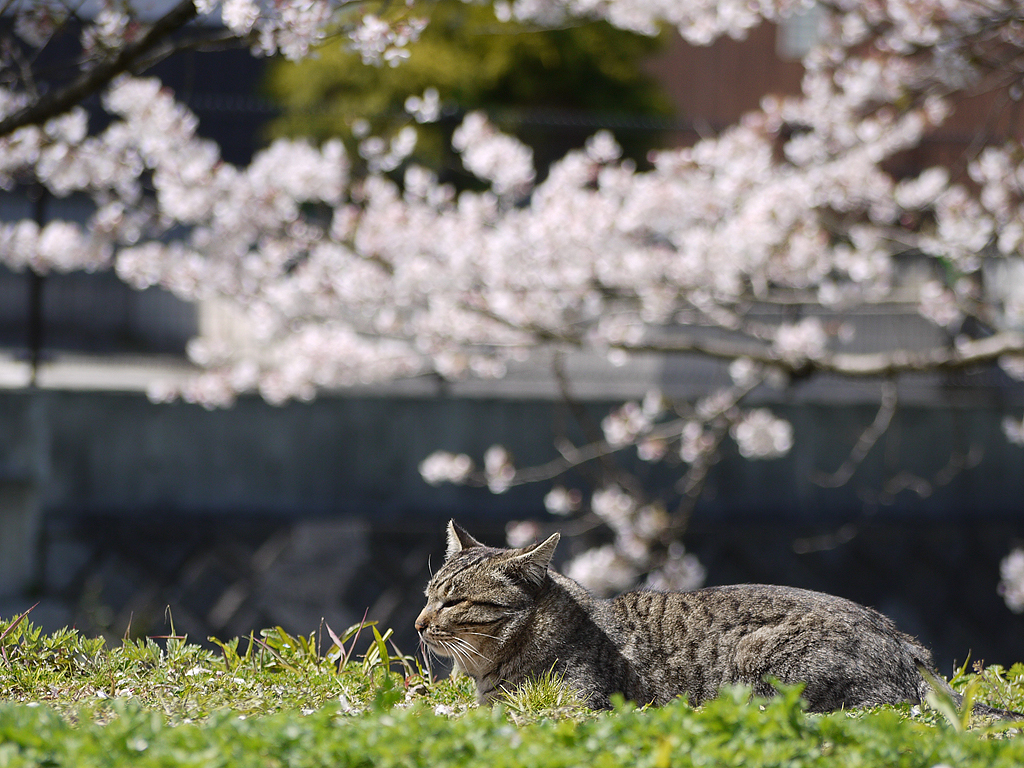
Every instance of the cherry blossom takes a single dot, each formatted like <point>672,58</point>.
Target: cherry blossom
<point>499,469</point>
<point>378,41</point>
<point>805,340</point>
<point>1011,587</point>
<point>35,23</point>
<point>110,30</point>
<point>442,467</point>
<point>425,108</point>
<point>522,533</point>
<point>503,160</point>
<point>562,501</point>
<point>695,442</point>
<point>615,507</point>
<point>623,425</point>
<point>240,15</point>
<point>681,572</point>
<point>1014,430</point>
<point>602,570</point>
<point>760,435</point>
<point>1013,365</point>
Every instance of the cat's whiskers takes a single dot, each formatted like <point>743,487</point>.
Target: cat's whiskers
<point>482,634</point>
<point>426,653</point>
<point>463,653</point>
<point>469,646</point>
<point>457,653</point>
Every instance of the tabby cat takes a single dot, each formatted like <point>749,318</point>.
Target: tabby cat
<point>504,616</point>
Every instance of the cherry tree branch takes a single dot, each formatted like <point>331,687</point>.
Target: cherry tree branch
<point>852,364</point>
<point>591,429</point>
<point>97,77</point>
<point>924,487</point>
<point>865,443</point>
<point>720,416</point>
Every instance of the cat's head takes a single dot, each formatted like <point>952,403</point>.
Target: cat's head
<point>480,598</point>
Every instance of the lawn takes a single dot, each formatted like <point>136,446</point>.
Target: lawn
<point>352,699</point>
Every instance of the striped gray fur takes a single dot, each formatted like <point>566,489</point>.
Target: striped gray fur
<point>504,616</point>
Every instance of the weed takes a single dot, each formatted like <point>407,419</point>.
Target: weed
<point>547,696</point>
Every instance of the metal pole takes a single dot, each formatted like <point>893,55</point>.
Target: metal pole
<point>36,280</point>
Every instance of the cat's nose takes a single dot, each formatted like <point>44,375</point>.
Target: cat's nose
<point>422,621</point>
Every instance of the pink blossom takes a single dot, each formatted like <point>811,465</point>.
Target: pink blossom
<point>498,469</point>
<point>561,501</point>
<point>761,435</point>
<point>443,467</point>
<point>682,572</point>
<point>493,156</point>
<point>522,533</point>
<point>805,340</point>
<point>1011,586</point>
<point>1013,429</point>
<point>603,571</point>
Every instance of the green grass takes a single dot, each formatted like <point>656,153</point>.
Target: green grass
<point>280,700</point>
<point>184,682</point>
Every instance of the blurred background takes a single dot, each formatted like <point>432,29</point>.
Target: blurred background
<point>116,511</point>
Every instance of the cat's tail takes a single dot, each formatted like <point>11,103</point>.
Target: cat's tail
<point>933,682</point>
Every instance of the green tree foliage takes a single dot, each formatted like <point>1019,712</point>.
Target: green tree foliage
<point>552,88</point>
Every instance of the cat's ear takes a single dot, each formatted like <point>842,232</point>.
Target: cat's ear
<point>458,539</point>
<point>534,562</point>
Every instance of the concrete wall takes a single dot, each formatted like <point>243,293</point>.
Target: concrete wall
<point>117,453</point>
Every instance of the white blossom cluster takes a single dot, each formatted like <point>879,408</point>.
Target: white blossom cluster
<point>412,278</point>
<point>1011,587</point>
<point>682,572</point>
<point>425,108</point>
<point>623,425</point>
<point>614,568</point>
<point>443,467</point>
<point>758,433</point>
<point>493,156</point>
<point>602,570</point>
<point>35,22</point>
<point>384,156</point>
<point>638,533</point>
<point>805,340</point>
<point>378,41</point>
<point>57,245</point>
<point>289,27</point>
<point>562,501</point>
<point>638,547</point>
<point>499,469</point>
<point>1013,429</point>
<point>522,533</point>
<point>695,442</point>
<point>761,435</point>
<point>108,32</point>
